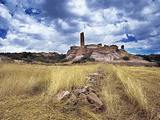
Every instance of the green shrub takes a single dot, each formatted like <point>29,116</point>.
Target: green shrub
<point>87,58</point>
<point>126,58</point>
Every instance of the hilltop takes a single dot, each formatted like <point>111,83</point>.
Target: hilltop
<point>103,53</point>
<point>84,53</point>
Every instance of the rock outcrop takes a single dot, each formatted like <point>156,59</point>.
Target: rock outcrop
<point>98,52</point>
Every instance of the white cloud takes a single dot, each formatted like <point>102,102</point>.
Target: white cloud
<point>4,12</point>
<point>101,28</point>
<point>103,25</point>
<point>64,25</point>
<point>150,9</point>
<point>134,24</point>
<point>108,15</point>
<point>78,7</point>
<point>24,28</point>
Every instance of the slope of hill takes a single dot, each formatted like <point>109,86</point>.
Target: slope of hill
<point>29,57</point>
<point>83,53</point>
<point>151,57</point>
<point>102,53</point>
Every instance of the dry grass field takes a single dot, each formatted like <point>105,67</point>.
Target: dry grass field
<point>129,93</point>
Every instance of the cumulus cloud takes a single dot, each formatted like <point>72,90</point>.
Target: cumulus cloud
<point>27,34</point>
<point>78,7</point>
<point>54,25</point>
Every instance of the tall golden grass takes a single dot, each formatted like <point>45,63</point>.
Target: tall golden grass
<point>17,79</point>
<point>67,77</point>
<point>133,87</point>
<point>125,90</point>
<point>131,84</point>
<point>129,89</point>
<point>111,97</point>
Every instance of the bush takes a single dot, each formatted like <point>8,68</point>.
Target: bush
<point>126,58</point>
<point>87,58</point>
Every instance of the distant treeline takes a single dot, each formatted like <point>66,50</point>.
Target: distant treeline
<point>151,58</point>
<point>51,57</point>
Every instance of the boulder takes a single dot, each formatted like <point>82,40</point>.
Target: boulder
<point>93,99</point>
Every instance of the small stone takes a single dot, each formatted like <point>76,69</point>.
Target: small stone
<point>81,90</point>
<point>72,100</point>
<point>84,89</point>
<point>92,80</point>
<point>62,95</point>
<point>78,91</point>
<point>83,98</point>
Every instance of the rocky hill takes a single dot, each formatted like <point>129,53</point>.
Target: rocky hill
<point>151,57</point>
<point>84,53</point>
<point>99,52</point>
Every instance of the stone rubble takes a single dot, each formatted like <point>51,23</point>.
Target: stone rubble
<point>85,95</point>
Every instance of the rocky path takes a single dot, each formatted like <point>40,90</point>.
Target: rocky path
<point>85,96</point>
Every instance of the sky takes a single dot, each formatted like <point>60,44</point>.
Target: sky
<point>54,25</point>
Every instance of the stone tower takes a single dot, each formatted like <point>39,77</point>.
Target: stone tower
<point>82,42</point>
<point>122,47</point>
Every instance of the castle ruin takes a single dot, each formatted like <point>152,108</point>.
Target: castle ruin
<point>98,52</point>
<point>82,42</point>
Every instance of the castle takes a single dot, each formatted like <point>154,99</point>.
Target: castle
<point>98,52</point>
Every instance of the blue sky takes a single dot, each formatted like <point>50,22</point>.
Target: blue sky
<point>54,25</point>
